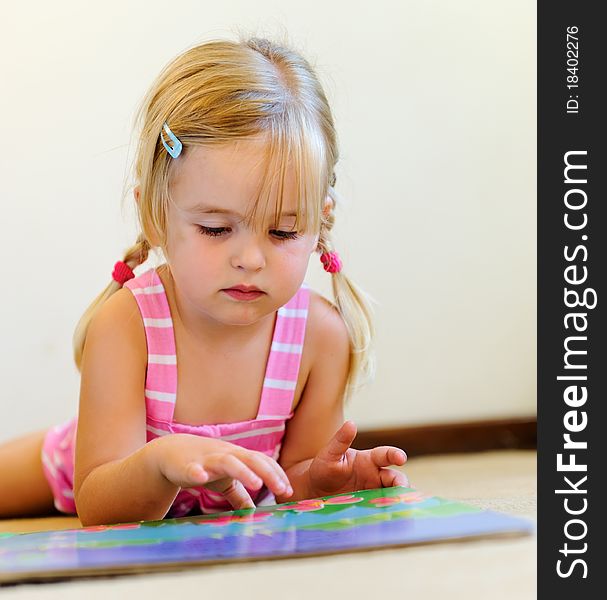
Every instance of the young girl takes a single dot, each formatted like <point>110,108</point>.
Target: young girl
<point>217,380</point>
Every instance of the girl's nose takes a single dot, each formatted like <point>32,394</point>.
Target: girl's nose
<point>249,255</point>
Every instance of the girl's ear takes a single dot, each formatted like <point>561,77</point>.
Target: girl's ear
<point>327,207</point>
<point>137,193</point>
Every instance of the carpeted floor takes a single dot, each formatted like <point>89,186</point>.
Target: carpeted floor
<point>492,568</point>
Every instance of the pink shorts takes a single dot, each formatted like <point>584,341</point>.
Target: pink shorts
<point>58,451</point>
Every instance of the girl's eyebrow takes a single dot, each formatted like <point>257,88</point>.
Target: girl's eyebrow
<point>209,210</point>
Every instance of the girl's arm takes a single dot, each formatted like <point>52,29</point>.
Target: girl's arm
<point>143,485</point>
<point>125,490</point>
<point>114,478</point>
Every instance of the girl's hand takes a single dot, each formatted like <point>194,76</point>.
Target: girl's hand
<point>189,461</point>
<point>337,468</point>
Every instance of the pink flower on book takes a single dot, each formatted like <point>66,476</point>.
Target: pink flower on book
<point>304,506</point>
<point>385,501</point>
<point>407,498</point>
<point>411,497</point>
<point>349,499</point>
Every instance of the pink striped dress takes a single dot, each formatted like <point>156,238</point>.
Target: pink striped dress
<point>264,433</point>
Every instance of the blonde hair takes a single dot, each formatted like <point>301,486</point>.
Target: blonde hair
<point>223,91</point>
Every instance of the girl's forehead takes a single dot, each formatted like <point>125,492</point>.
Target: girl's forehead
<point>229,177</point>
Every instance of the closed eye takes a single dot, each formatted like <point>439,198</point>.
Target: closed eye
<point>218,231</point>
<point>284,235</point>
<point>212,231</point>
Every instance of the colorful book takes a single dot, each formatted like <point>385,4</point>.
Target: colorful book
<point>364,520</point>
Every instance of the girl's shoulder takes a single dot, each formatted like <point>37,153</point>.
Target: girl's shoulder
<point>118,322</point>
<point>326,332</point>
<point>321,309</point>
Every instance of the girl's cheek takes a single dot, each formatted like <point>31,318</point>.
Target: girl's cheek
<point>296,262</point>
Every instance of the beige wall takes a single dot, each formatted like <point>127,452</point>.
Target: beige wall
<point>435,109</point>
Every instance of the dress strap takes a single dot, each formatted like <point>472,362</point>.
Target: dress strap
<point>161,377</point>
<point>285,357</point>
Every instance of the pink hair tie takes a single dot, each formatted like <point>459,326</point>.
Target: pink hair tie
<point>331,262</point>
<point>122,272</point>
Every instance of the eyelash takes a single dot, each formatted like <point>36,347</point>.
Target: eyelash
<point>219,231</point>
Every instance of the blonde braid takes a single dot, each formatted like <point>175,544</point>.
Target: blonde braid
<point>133,257</point>
<point>138,253</point>
<point>354,307</point>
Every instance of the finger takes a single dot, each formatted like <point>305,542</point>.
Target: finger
<point>269,470</point>
<point>220,466</point>
<point>383,456</point>
<point>234,492</point>
<point>195,474</point>
<point>392,477</point>
<point>340,442</point>
<point>284,478</point>
<point>254,469</point>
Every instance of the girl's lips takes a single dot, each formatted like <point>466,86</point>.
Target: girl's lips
<point>240,295</point>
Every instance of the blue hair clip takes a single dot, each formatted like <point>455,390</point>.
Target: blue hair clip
<point>175,151</point>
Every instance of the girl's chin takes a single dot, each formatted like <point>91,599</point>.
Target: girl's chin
<point>243,316</point>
